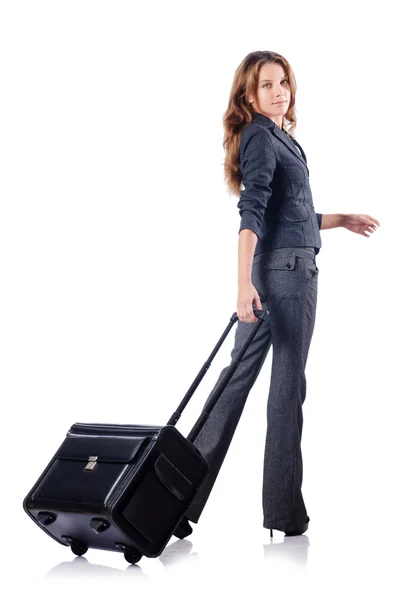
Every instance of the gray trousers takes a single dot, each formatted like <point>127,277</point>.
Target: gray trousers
<point>286,281</point>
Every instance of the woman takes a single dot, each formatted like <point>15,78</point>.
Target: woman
<point>279,238</point>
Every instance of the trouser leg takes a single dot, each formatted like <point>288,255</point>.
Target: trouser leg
<point>286,280</point>
<point>216,435</point>
<point>292,317</point>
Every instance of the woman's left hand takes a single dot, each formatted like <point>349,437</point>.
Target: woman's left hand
<point>362,224</point>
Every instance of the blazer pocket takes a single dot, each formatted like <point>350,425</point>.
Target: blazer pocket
<point>295,213</point>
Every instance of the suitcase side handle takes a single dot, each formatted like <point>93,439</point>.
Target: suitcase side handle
<point>261,315</point>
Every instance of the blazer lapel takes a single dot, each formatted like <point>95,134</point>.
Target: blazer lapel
<point>285,138</point>
<point>265,121</point>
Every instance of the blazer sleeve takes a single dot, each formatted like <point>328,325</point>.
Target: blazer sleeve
<point>257,167</point>
<point>319,219</point>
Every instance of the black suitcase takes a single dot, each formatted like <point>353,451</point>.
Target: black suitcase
<point>125,488</point>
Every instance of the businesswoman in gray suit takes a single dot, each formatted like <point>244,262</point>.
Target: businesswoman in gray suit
<point>279,239</point>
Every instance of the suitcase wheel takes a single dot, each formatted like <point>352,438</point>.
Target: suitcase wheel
<point>132,555</point>
<point>184,529</point>
<point>78,549</point>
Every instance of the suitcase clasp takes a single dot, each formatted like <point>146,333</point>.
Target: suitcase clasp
<point>91,463</point>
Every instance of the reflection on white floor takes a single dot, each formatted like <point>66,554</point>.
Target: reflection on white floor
<point>176,553</point>
<point>291,551</point>
<point>228,553</point>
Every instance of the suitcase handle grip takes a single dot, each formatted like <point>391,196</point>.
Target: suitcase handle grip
<point>261,315</point>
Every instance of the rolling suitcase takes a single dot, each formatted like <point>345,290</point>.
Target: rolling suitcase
<point>126,488</point>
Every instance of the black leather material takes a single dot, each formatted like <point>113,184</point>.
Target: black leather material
<point>108,448</point>
<point>172,478</point>
<point>117,487</point>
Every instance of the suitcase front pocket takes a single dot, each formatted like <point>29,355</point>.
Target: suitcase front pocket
<point>172,478</point>
<point>69,483</point>
<point>158,500</point>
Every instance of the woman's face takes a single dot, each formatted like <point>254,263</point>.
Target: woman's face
<point>273,87</point>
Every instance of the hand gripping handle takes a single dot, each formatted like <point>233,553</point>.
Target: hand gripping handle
<point>261,315</point>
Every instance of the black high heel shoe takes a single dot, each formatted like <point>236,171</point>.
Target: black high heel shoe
<point>298,531</point>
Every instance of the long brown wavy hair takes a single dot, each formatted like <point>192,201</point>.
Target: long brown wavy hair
<point>239,112</point>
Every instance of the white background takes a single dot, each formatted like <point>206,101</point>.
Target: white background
<point>119,274</point>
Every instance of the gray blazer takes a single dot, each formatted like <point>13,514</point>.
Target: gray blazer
<point>276,202</point>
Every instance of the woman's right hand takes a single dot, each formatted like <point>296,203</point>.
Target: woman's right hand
<point>246,295</point>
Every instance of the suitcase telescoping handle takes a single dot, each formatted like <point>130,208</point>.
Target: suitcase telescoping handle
<point>261,315</point>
